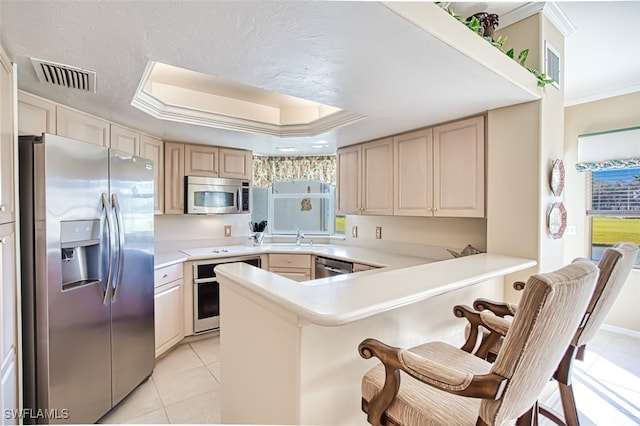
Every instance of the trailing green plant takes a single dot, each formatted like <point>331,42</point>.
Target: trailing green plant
<point>475,25</point>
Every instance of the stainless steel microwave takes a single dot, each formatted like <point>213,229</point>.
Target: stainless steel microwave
<point>205,195</point>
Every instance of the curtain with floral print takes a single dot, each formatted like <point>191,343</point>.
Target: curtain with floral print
<point>275,169</point>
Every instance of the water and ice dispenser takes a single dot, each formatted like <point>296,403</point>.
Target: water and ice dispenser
<point>80,252</point>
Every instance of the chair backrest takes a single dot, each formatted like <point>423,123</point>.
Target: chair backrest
<point>615,266</point>
<point>550,310</point>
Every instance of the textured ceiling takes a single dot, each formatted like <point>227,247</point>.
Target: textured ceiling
<point>359,56</point>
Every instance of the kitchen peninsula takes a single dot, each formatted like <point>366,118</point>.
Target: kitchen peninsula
<point>289,350</point>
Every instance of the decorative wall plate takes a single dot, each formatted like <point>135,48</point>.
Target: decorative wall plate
<point>557,220</point>
<point>556,179</point>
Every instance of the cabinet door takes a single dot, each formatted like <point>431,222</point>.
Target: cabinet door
<point>413,172</point>
<point>168,316</point>
<point>125,140</point>
<point>348,180</point>
<point>377,177</point>
<point>84,127</point>
<point>7,148</point>
<point>152,149</point>
<point>8,313</point>
<point>295,274</point>
<point>201,160</point>
<point>459,168</point>
<point>9,392</point>
<point>35,115</point>
<point>236,163</point>
<point>173,178</point>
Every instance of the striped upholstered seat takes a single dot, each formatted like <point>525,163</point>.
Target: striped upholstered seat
<point>444,385</point>
<point>614,269</point>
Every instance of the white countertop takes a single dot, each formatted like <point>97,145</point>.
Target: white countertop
<point>346,298</point>
<point>343,252</point>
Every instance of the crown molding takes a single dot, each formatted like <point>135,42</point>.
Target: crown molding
<point>552,11</point>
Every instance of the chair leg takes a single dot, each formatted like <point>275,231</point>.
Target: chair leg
<point>569,405</point>
<point>529,417</point>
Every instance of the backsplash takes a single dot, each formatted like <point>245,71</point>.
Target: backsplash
<point>438,234</point>
<point>202,227</point>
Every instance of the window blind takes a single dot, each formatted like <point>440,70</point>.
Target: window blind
<point>615,192</point>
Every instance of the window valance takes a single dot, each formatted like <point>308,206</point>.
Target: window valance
<point>275,169</point>
<point>627,163</point>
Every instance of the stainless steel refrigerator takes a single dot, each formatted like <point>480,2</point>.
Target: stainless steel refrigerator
<point>87,277</point>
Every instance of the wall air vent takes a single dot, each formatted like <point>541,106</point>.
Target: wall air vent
<point>65,75</point>
<point>552,63</point>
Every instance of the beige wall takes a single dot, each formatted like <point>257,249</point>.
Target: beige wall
<point>608,114</point>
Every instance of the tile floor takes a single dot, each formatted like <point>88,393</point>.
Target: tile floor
<point>185,385</point>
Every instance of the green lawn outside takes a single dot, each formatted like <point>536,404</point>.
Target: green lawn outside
<point>610,230</point>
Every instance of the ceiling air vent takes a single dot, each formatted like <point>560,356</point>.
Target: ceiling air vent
<point>65,75</point>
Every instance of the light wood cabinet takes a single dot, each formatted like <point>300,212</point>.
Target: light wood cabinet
<point>7,146</point>
<point>348,178</point>
<point>168,303</point>
<point>293,266</point>
<point>361,267</point>
<point>201,160</point>
<point>8,330</point>
<point>236,163</point>
<point>377,177</point>
<point>413,173</point>
<point>174,178</point>
<point>459,168</point>
<point>365,178</point>
<point>152,149</point>
<point>440,171</point>
<point>35,115</point>
<point>78,125</point>
<point>124,139</point>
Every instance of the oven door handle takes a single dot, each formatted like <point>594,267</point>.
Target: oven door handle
<point>204,280</point>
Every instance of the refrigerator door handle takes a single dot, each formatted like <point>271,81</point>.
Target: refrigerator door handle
<point>107,211</point>
<point>120,231</point>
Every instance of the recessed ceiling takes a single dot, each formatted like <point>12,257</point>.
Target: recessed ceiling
<point>360,57</point>
<point>177,94</point>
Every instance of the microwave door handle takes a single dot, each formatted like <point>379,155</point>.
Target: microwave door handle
<point>238,193</point>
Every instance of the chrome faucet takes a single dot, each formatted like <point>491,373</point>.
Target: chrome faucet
<point>299,237</point>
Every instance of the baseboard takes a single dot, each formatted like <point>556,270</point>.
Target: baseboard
<point>619,330</point>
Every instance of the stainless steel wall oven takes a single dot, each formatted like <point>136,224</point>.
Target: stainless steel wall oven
<point>206,292</point>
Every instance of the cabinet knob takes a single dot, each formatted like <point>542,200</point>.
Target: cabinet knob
<point>3,241</point>
<point>3,208</point>
<point>165,275</point>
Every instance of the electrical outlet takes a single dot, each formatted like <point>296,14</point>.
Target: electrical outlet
<point>571,230</point>
<point>378,232</point>
<point>354,231</point>
<point>227,230</point>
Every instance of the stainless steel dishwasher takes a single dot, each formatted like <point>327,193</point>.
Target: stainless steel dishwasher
<point>326,267</point>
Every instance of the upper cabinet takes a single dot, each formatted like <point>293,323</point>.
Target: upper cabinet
<point>201,160</point>
<point>236,163</point>
<point>35,115</point>
<point>84,127</point>
<point>459,168</point>
<point>174,178</point>
<point>153,149</point>
<point>124,139</point>
<point>437,171</point>
<point>7,149</point>
<point>183,159</point>
<point>365,178</point>
<point>413,173</point>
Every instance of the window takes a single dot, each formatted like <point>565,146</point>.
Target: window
<point>305,205</point>
<point>614,208</point>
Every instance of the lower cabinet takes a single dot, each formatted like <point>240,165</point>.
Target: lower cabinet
<point>360,267</point>
<point>169,306</point>
<point>296,267</point>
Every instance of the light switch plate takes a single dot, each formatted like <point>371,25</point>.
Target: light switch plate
<point>354,231</point>
<point>227,230</point>
<point>378,232</point>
